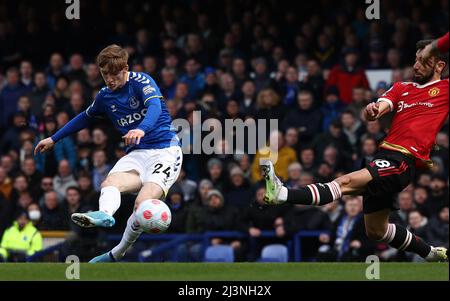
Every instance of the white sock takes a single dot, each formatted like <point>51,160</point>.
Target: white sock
<point>131,234</point>
<point>109,200</point>
<point>283,194</point>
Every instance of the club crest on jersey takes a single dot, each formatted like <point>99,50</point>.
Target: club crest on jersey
<point>148,89</point>
<point>433,91</point>
<point>134,103</point>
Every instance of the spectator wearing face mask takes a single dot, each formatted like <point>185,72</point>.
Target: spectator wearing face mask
<point>34,213</point>
<point>20,240</point>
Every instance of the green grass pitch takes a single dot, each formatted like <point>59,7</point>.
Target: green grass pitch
<point>225,271</point>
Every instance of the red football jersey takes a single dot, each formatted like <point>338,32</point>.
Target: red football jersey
<point>420,112</point>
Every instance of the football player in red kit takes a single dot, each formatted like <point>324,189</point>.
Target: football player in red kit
<point>421,108</point>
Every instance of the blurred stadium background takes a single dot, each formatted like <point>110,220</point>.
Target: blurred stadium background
<point>311,65</point>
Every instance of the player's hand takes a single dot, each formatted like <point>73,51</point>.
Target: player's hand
<point>372,111</point>
<point>44,145</point>
<point>133,136</point>
<point>425,55</point>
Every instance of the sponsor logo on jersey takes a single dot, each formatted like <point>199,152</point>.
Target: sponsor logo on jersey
<point>433,91</point>
<point>131,118</point>
<point>148,89</point>
<point>402,105</point>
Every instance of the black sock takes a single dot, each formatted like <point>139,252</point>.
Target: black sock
<point>403,240</point>
<point>315,194</point>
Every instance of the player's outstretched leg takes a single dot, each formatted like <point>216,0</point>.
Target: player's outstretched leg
<point>131,234</point>
<point>109,201</point>
<point>316,194</point>
<point>379,229</point>
<point>133,230</point>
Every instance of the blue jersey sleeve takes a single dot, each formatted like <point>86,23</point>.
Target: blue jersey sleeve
<point>96,109</point>
<point>146,89</point>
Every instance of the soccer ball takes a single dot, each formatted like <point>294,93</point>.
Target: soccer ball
<point>153,216</point>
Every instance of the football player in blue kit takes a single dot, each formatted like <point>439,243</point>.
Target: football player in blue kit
<point>135,105</point>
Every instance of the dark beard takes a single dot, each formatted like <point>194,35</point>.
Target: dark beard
<point>424,79</point>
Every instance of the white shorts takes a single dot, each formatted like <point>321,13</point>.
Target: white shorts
<point>160,166</point>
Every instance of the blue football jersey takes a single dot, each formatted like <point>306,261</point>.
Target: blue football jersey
<point>126,108</point>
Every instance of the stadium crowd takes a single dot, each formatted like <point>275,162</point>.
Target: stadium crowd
<point>227,59</point>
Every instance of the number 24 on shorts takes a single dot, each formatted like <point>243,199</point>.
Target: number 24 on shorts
<point>158,167</point>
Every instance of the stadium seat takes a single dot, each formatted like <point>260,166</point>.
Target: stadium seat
<point>219,254</point>
<point>274,253</point>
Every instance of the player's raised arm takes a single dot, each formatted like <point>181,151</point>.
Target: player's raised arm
<point>439,45</point>
<point>80,122</point>
<point>385,104</point>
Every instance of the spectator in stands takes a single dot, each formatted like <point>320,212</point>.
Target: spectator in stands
<point>187,186</point>
<point>314,81</point>
<point>6,184</point>
<point>438,194</point>
<point>294,172</point>
<point>32,174</point>
<point>216,216</point>
<point>358,101</point>
<point>26,75</point>
<point>179,208</point>
<point>353,128</point>
<point>332,108</point>
<point>81,241</point>
<point>193,78</point>
<point>369,147</point>
<point>216,173</point>
<point>9,140</point>
<point>22,239</point>
<point>306,118</point>
<point>100,170</point>
<point>335,137</point>
<point>87,192</point>
<point>406,205</point>
<point>20,185</point>
<point>348,75</point>
<point>9,95</point>
<point>53,216</point>
<point>437,233</point>
<point>63,179</point>
<point>168,82</point>
<point>24,106</point>
<point>276,148</point>
<point>347,241</point>
<point>248,103</point>
<point>239,192</point>
<point>289,87</point>
<point>55,69</point>
<point>307,159</point>
<point>34,213</point>
<point>258,218</point>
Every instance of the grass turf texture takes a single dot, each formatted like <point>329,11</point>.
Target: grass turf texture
<point>225,271</point>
